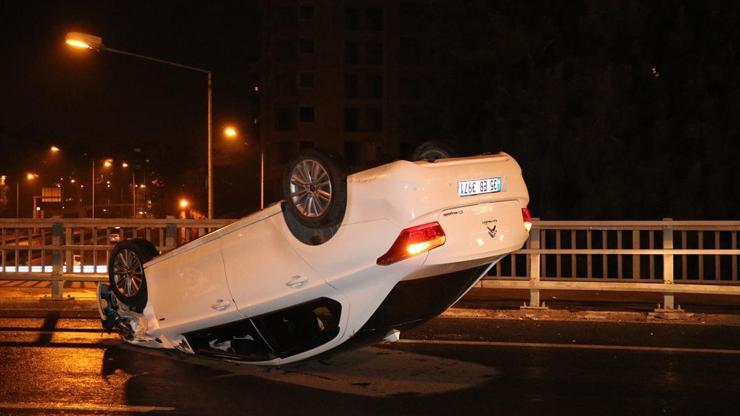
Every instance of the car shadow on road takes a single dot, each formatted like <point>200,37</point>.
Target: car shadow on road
<point>370,372</point>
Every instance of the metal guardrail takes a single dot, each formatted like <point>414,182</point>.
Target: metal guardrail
<point>668,257</point>
<point>69,249</point>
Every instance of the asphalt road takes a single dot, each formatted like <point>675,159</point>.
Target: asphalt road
<point>54,366</point>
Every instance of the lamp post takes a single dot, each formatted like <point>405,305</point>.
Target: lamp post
<point>125,165</point>
<point>29,177</point>
<point>86,41</point>
<point>231,133</point>
<point>107,163</point>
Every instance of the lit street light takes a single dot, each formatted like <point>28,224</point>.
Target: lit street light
<point>133,187</point>
<point>87,41</point>
<point>54,149</point>
<point>84,41</point>
<point>184,203</point>
<point>107,163</point>
<point>230,132</point>
<point>29,177</point>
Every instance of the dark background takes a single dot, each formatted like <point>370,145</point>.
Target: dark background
<point>103,105</point>
<point>615,110</point>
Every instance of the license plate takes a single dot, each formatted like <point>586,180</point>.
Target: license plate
<point>479,186</point>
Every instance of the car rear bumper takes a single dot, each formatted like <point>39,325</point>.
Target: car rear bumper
<point>412,302</point>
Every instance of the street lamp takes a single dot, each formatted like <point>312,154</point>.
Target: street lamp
<point>230,132</point>
<point>54,149</point>
<point>30,176</point>
<point>107,163</point>
<point>125,165</point>
<point>87,41</point>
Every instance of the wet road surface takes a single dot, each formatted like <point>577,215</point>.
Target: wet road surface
<point>53,366</point>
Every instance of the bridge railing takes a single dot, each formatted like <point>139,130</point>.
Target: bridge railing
<point>70,249</point>
<point>668,257</point>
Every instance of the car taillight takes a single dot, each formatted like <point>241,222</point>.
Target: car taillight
<point>527,217</point>
<point>413,241</point>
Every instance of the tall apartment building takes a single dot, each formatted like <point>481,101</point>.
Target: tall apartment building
<point>350,77</point>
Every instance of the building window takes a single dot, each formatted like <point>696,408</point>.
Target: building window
<point>306,12</point>
<point>351,53</point>
<point>374,19</point>
<point>412,17</point>
<point>285,84</point>
<point>307,46</point>
<point>306,115</point>
<point>374,86</point>
<point>351,86</point>
<point>374,119</point>
<point>351,119</point>
<point>285,51</point>
<point>306,80</point>
<point>285,118</point>
<point>286,15</point>
<point>351,19</point>
<point>410,88</point>
<point>284,152</point>
<point>353,153</point>
<point>411,51</point>
<point>374,53</point>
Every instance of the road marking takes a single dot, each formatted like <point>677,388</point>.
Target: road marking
<point>570,346</point>
<point>84,407</point>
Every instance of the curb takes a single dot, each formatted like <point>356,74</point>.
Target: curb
<point>673,317</point>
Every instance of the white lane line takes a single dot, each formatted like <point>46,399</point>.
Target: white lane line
<point>570,346</point>
<point>84,407</point>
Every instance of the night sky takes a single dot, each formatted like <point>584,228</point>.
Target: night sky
<point>615,110</point>
<point>105,105</point>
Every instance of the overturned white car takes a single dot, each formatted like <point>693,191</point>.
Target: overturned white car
<point>356,257</point>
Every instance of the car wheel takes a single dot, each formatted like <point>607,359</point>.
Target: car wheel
<point>431,151</point>
<point>315,189</point>
<point>126,271</point>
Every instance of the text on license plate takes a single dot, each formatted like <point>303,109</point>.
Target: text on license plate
<point>479,186</point>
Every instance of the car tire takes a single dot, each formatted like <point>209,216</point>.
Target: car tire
<point>431,151</point>
<point>315,189</point>
<point>126,271</point>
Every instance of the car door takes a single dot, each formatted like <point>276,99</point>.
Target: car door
<point>264,273</point>
<point>188,288</point>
